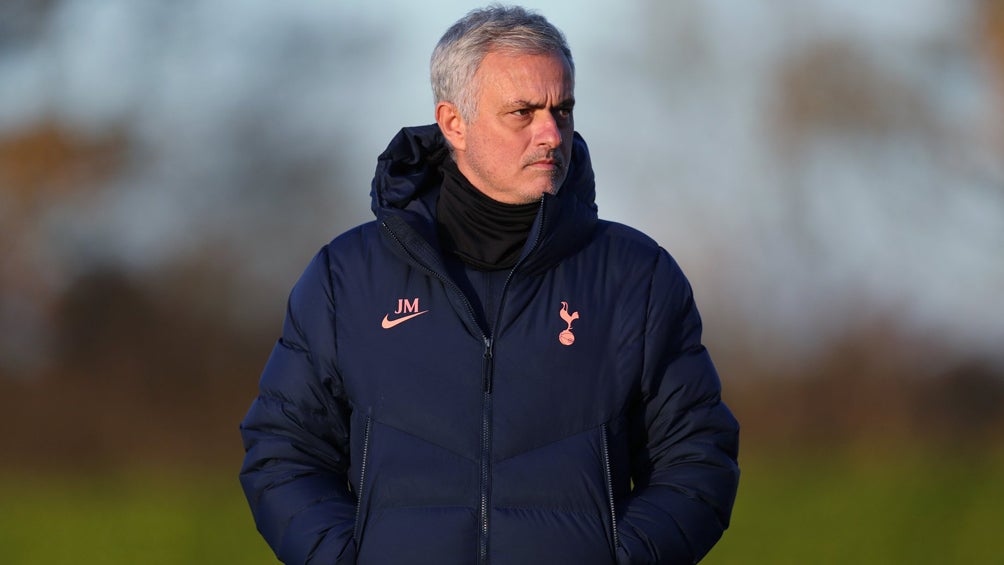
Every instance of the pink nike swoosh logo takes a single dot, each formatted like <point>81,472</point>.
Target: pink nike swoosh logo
<point>387,323</point>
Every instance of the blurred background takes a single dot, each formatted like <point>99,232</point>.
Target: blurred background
<point>829,174</point>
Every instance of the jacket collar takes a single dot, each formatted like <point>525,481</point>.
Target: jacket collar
<point>407,181</point>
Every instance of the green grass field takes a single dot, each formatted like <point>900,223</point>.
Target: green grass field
<point>885,509</point>
<point>136,518</point>
<point>876,509</point>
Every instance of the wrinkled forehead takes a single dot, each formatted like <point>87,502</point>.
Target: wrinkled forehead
<point>507,50</point>
<point>515,69</point>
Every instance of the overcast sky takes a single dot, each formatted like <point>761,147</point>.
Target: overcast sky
<point>677,100</point>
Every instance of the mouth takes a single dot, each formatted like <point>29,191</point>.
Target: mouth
<point>548,163</point>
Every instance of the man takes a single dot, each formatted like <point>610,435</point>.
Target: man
<point>488,373</point>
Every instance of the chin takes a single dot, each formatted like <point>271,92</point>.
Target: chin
<point>537,194</point>
<point>551,188</point>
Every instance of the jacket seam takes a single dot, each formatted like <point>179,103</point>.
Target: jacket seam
<point>587,511</point>
<point>560,439</point>
<point>384,506</point>
<point>301,510</point>
<point>424,440</point>
<point>648,312</point>
<point>329,293</point>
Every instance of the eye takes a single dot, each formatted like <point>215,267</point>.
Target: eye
<point>522,112</point>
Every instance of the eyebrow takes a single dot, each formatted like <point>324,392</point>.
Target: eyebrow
<point>566,103</point>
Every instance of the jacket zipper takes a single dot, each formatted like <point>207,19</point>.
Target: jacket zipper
<point>610,488</point>
<point>486,388</point>
<point>486,432</point>
<point>487,376</point>
<point>362,478</point>
<point>488,372</point>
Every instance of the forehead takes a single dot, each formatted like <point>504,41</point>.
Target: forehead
<point>519,74</point>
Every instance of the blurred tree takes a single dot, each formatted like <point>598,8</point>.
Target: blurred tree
<point>991,18</point>
<point>39,168</point>
<point>21,21</point>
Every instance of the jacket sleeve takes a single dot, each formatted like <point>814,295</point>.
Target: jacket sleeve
<point>685,441</point>
<point>296,435</point>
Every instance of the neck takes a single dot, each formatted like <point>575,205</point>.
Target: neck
<point>482,232</point>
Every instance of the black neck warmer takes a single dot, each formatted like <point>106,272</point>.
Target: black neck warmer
<point>485,234</point>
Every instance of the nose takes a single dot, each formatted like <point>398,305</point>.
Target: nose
<point>548,132</point>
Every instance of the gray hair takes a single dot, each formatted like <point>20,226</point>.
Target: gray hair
<point>508,29</point>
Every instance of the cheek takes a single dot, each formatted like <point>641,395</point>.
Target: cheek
<point>509,154</point>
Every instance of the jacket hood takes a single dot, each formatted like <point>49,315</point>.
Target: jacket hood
<point>407,180</point>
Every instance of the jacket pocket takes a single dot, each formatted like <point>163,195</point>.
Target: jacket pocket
<point>609,483</point>
<point>357,531</point>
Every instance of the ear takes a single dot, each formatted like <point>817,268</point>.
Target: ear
<point>452,125</point>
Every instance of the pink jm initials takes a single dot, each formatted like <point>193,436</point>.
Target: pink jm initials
<point>405,306</point>
<point>406,310</point>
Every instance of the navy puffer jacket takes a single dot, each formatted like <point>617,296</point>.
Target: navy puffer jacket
<point>584,427</point>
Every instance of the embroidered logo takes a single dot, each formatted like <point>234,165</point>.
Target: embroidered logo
<point>566,337</point>
<point>404,306</point>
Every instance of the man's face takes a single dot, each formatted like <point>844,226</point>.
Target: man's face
<point>519,143</point>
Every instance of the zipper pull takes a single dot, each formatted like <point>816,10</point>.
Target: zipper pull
<point>486,367</point>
